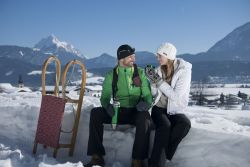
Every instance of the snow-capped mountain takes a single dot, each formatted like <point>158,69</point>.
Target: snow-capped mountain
<point>42,50</point>
<point>52,44</point>
<point>17,60</point>
<point>228,57</point>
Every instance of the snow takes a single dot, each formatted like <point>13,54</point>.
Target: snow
<point>217,137</point>
<point>53,40</point>
<point>38,72</point>
<point>91,80</point>
<point>95,80</point>
<point>8,73</point>
<point>21,53</point>
<point>35,49</point>
<point>217,89</point>
<point>48,53</point>
<point>221,121</point>
<point>97,87</point>
<point>52,87</point>
<point>8,88</point>
<point>227,90</point>
<point>88,74</point>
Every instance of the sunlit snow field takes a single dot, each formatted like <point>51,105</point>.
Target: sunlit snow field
<point>218,138</point>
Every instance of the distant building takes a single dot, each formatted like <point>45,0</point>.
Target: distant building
<point>233,99</point>
<point>20,82</point>
<point>233,102</point>
<point>244,96</point>
<point>24,89</point>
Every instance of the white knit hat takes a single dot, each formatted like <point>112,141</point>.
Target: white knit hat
<point>168,50</point>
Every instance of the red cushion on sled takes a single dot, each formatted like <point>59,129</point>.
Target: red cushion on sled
<point>49,121</point>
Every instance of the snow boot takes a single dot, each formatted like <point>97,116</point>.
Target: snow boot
<point>96,160</point>
<point>151,164</point>
<point>136,163</point>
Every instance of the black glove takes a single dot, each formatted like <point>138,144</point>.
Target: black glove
<point>152,75</point>
<point>142,106</point>
<point>110,110</point>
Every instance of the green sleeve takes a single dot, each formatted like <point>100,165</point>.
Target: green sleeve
<point>146,92</point>
<point>106,90</point>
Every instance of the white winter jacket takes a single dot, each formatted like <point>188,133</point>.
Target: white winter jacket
<point>178,91</point>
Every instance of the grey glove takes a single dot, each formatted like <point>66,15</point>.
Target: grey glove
<point>142,106</point>
<point>152,75</point>
<point>110,110</point>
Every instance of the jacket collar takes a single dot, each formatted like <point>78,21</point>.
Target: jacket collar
<point>129,69</point>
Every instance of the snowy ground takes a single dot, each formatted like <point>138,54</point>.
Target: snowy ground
<point>218,138</point>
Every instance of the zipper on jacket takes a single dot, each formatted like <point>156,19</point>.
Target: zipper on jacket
<point>168,107</point>
<point>125,71</point>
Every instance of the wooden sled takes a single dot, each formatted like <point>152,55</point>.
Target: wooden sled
<point>52,109</point>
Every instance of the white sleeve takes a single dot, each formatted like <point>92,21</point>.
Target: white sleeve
<point>181,87</point>
<point>154,90</point>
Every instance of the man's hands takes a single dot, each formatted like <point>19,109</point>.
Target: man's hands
<point>142,106</point>
<point>110,110</point>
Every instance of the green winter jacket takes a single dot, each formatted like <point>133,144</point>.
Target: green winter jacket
<point>127,93</point>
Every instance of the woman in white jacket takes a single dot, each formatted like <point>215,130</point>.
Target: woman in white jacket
<point>170,85</point>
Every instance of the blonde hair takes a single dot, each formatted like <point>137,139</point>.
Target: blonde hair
<point>168,71</point>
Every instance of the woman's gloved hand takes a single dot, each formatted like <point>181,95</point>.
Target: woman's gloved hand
<point>152,75</point>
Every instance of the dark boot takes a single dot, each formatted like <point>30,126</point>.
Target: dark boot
<point>136,163</point>
<point>151,164</point>
<point>96,160</point>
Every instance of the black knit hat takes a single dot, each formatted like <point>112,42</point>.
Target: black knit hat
<point>124,51</point>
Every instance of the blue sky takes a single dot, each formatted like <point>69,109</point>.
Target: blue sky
<point>100,26</point>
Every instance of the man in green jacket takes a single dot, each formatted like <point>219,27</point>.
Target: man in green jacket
<point>128,85</point>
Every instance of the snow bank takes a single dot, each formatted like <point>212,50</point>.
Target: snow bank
<point>39,72</point>
<point>217,137</point>
<point>7,88</point>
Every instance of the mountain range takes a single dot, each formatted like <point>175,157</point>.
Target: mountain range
<point>233,47</point>
<point>227,57</point>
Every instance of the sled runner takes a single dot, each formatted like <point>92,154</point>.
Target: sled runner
<point>52,109</point>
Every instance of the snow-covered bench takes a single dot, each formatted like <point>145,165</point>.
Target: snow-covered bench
<point>125,135</point>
